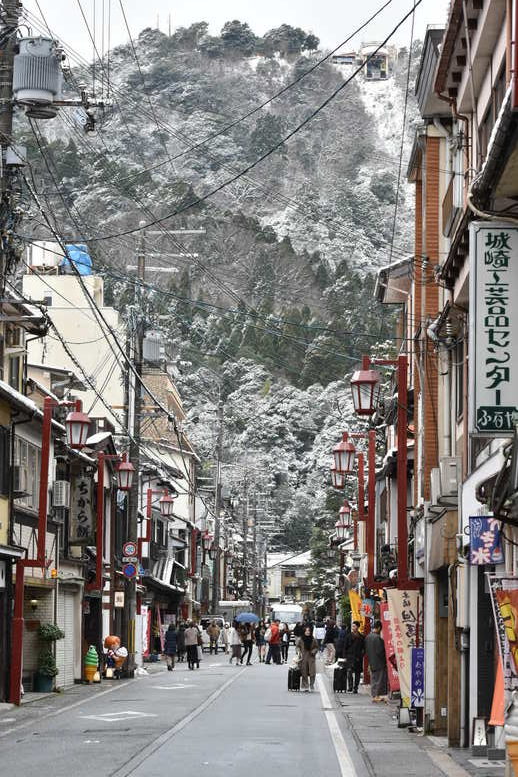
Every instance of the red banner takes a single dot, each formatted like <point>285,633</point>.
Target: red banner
<point>386,633</point>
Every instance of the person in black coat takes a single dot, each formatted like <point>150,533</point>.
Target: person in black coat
<point>180,642</point>
<point>330,639</point>
<point>340,642</point>
<point>354,646</point>
<point>170,646</point>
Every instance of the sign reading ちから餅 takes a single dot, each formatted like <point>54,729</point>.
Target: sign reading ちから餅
<point>493,326</point>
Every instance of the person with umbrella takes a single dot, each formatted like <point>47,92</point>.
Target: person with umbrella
<point>247,634</point>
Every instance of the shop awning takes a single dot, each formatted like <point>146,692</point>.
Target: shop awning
<point>162,587</point>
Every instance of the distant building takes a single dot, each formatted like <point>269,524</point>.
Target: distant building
<point>288,577</point>
<point>377,66</point>
<point>344,58</point>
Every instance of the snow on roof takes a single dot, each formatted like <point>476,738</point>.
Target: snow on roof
<point>293,560</point>
<point>19,399</point>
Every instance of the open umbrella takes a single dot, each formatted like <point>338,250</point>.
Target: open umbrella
<point>247,617</point>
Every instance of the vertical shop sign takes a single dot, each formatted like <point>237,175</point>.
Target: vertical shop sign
<point>493,327</point>
<point>81,511</point>
<point>417,686</point>
<point>390,653</point>
<point>485,543</point>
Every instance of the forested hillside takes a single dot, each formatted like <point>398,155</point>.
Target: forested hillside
<point>272,305</point>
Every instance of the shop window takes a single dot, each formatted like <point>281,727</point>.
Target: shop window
<point>15,365</point>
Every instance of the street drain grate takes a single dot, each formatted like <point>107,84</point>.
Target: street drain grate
<point>282,705</point>
<point>105,730</point>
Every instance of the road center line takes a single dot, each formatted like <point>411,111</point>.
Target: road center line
<point>126,769</point>
<point>343,755</point>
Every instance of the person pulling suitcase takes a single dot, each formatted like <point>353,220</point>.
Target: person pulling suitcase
<point>308,647</point>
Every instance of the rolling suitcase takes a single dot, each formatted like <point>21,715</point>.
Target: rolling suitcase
<point>294,679</point>
<point>340,680</point>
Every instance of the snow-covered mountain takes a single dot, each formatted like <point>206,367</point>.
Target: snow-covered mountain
<point>273,304</point>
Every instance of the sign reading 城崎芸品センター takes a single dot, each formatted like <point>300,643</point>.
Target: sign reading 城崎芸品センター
<point>493,326</point>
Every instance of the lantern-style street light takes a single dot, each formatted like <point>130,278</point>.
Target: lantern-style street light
<point>365,388</point>
<point>337,478</point>
<point>77,425</point>
<point>166,505</point>
<point>341,530</point>
<point>344,454</point>
<point>125,472</point>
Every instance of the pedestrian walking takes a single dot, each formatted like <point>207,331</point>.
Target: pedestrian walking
<point>235,643</point>
<point>213,632</point>
<point>285,642</point>
<point>375,649</point>
<point>330,638</point>
<point>354,651</point>
<point>224,637</point>
<point>170,646</point>
<point>319,634</point>
<point>180,642</point>
<point>260,641</point>
<point>247,638</point>
<point>308,647</point>
<point>192,641</point>
<point>274,651</point>
<point>343,631</point>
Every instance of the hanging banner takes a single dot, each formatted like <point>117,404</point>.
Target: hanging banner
<point>417,684</point>
<point>145,613</point>
<point>504,598</point>
<point>390,653</point>
<point>493,327</point>
<point>405,609</point>
<point>81,523</point>
<point>356,603</point>
<point>485,542</point>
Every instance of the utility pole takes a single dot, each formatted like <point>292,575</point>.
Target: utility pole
<point>217,511</point>
<point>135,404</point>
<point>8,27</point>
<point>254,551</point>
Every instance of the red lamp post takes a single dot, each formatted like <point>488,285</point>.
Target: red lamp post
<point>124,472</point>
<point>77,424</point>
<point>362,385</point>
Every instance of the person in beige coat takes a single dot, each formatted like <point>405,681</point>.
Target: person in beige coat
<point>308,647</point>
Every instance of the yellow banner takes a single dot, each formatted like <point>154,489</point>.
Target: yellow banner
<point>356,604</point>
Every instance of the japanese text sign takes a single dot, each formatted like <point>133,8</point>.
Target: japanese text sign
<point>493,327</point>
<point>406,615</point>
<point>485,546</point>
<point>417,694</point>
<point>81,512</point>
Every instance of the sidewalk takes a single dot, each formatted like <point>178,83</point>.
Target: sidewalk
<point>388,750</point>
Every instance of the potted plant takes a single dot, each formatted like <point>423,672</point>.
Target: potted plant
<point>48,634</point>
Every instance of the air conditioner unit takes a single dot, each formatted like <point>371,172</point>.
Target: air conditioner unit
<point>61,494</point>
<point>435,485</point>
<point>450,468</point>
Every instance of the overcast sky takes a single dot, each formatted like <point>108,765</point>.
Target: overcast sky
<point>331,20</point>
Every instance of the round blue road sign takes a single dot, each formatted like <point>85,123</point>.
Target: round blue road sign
<point>130,570</point>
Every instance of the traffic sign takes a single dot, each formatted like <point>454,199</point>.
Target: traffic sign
<point>130,559</point>
<point>130,570</point>
<point>129,549</point>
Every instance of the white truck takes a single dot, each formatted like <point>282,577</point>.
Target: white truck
<point>287,613</point>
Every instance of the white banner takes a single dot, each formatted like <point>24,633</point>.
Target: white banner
<point>493,327</point>
<point>406,616</point>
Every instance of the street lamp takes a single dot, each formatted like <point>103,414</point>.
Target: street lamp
<point>166,506</point>
<point>344,454</point>
<point>365,388</point>
<point>365,392</point>
<point>77,425</point>
<point>125,472</point>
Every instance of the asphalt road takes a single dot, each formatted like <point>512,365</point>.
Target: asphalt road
<point>223,720</point>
